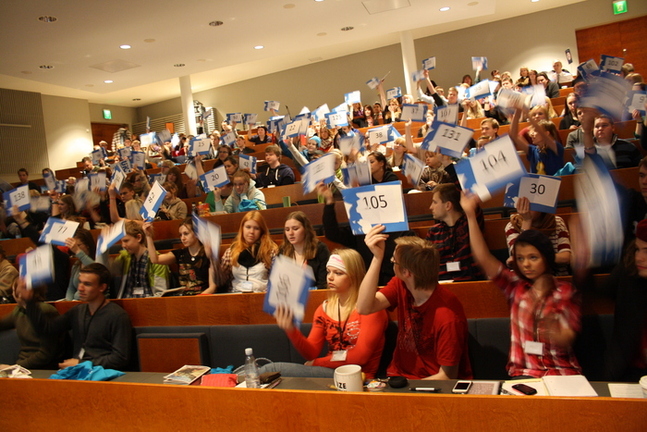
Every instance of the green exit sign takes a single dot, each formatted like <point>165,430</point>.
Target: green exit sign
<point>619,7</point>
<point>107,114</point>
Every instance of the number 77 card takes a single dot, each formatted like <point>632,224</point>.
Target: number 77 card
<point>371,205</point>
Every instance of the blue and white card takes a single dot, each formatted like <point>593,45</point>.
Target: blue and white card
<point>479,90</point>
<point>413,168</point>
<point>611,63</point>
<point>37,266</point>
<point>288,285</point>
<point>340,108</point>
<point>139,159</point>
<point>479,63</point>
<point>247,162</point>
<point>271,105</point>
<point>229,139</point>
<point>153,202</point>
<point>98,181</point>
<point>125,165</point>
<point>217,177</point>
<point>373,83</point>
<point>250,119</point>
<point>538,95</point>
<point>588,68</point>
<point>353,97</point>
<point>234,117</point>
<point>147,138</point>
<point>175,139</point>
<point>97,156</point>
<point>61,186</point>
<point>351,141</point>
<point>159,178</point>
<point>299,126</point>
<point>124,153</point>
<point>393,133</point>
<point>357,174</point>
<point>491,169</point>
<point>56,231</point>
<point>414,112</point>
<point>394,92</point>
<point>447,113</point>
<point>418,75</point>
<point>320,113</point>
<point>636,101</point>
<point>337,119</point>
<point>118,177</point>
<point>209,234</point>
<point>511,99</point>
<point>429,63</point>
<point>319,170</point>
<point>542,192</point>
<point>371,205</point>
<point>379,135</point>
<point>607,94</point>
<point>115,233</point>
<point>164,136</point>
<point>17,197</point>
<point>200,146</point>
<point>447,138</point>
<point>50,180</point>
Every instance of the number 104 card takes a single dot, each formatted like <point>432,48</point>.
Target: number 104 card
<point>371,205</point>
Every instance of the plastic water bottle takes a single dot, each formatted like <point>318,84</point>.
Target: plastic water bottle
<point>251,370</point>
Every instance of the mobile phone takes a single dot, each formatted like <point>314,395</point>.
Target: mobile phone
<point>527,390</point>
<point>462,387</point>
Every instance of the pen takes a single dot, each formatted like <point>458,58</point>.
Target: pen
<point>425,389</point>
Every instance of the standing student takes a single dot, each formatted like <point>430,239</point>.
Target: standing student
<point>351,338</point>
<point>432,327</point>
<point>544,312</point>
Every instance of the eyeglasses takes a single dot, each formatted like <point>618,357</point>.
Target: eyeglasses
<point>394,261</point>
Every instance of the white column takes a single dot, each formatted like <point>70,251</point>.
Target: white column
<point>187,105</point>
<point>409,62</point>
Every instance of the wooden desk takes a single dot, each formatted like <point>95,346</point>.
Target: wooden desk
<point>81,405</point>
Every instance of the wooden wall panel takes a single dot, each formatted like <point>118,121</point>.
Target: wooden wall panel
<point>104,131</point>
<point>164,354</point>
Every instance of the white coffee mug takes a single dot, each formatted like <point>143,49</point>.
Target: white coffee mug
<point>643,385</point>
<point>349,378</point>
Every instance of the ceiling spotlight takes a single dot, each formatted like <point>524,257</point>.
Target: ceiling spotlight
<point>125,46</point>
<point>179,65</point>
<point>348,28</point>
<point>108,81</point>
<point>216,23</point>
<point>47,19</point>
<point>319,1</point>
<point>136,99</point>
<point>444,9</point>
<point>259,47</point>
<point>46,67</point>
<point>534,1</point>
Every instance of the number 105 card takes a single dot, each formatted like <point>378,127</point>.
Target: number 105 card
<point>371,205</point>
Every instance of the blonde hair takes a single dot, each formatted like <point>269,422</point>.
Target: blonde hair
<point>355,270</point>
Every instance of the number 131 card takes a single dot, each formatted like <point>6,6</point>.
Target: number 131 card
<point>371,205</point>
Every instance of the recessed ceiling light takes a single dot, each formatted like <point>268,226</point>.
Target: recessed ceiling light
<point>108,81</point>
<point>136,99</point>
<point>216,23</point>
<point>444,9</point>
<point>179,65</point>
<point>46,67</point>
<point>347,28</point>
<point>125,46</point>
<point>259,47</point>
<point>534,1</point>
<point>47,19</point>
<point>319,1</point>
<point>149,40</point>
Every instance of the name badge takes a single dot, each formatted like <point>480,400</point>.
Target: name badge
<point>453,266</point>
<point>532,347</point>
<point>339,355</point>
<point>138,291</point>
<point>81,353</point>
<point>246,286</point>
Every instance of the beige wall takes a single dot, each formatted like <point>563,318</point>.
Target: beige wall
<point>120,115</point>
<point>532,40</point>
<point>67,129</point>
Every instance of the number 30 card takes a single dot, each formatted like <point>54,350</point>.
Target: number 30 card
<point>542,192</point>
<point>371,205</point>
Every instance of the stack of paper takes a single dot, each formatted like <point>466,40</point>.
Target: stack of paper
<point>568,385</point>
<point>186,374</point>
<point>15,371</point>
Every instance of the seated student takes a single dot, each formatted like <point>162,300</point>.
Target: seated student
<point>224,151</point>
<point>8,274</point>
<point>37,351</point>
<point>551,225</point>
<point>381,171</point>
<point>261,136</point>
<point>196,272</point>
<point>101,330</point>
<point>432,328</point>
<point>23,176</point>
<point>172,207</point>
<point>140,183</point>
<point>351,338</point>
<point>524,77</point>
<point>396,160</point>
<point>559,75</point>
<point>275,173</point>
<point>393,111</point>
<point>135,274</point>
<point>130,203</point>
<point>599,138</point>
<point>545,154</point>
<point>433,173</point>
<point>83,247</point>
<point>551,88</point>
<point>570,119</point>
<point>327,137</point>
<point>544,312</point>
<point>450,235</point>
<point>247,263</point>
<point>241,146</point>
<point>244,195</point>
<point>489,132</point>
<point>301,244</point>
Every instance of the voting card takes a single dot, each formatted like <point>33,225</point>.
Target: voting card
<point>375,204</point>
<point>288,285</point>
<point>319,170</point>
<point>153,202</point>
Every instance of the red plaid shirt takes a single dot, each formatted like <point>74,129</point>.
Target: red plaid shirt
<point>525,325</point>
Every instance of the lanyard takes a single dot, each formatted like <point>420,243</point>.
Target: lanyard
<point>341,329</point>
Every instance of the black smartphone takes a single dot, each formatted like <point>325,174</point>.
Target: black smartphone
<point>527,390</point>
